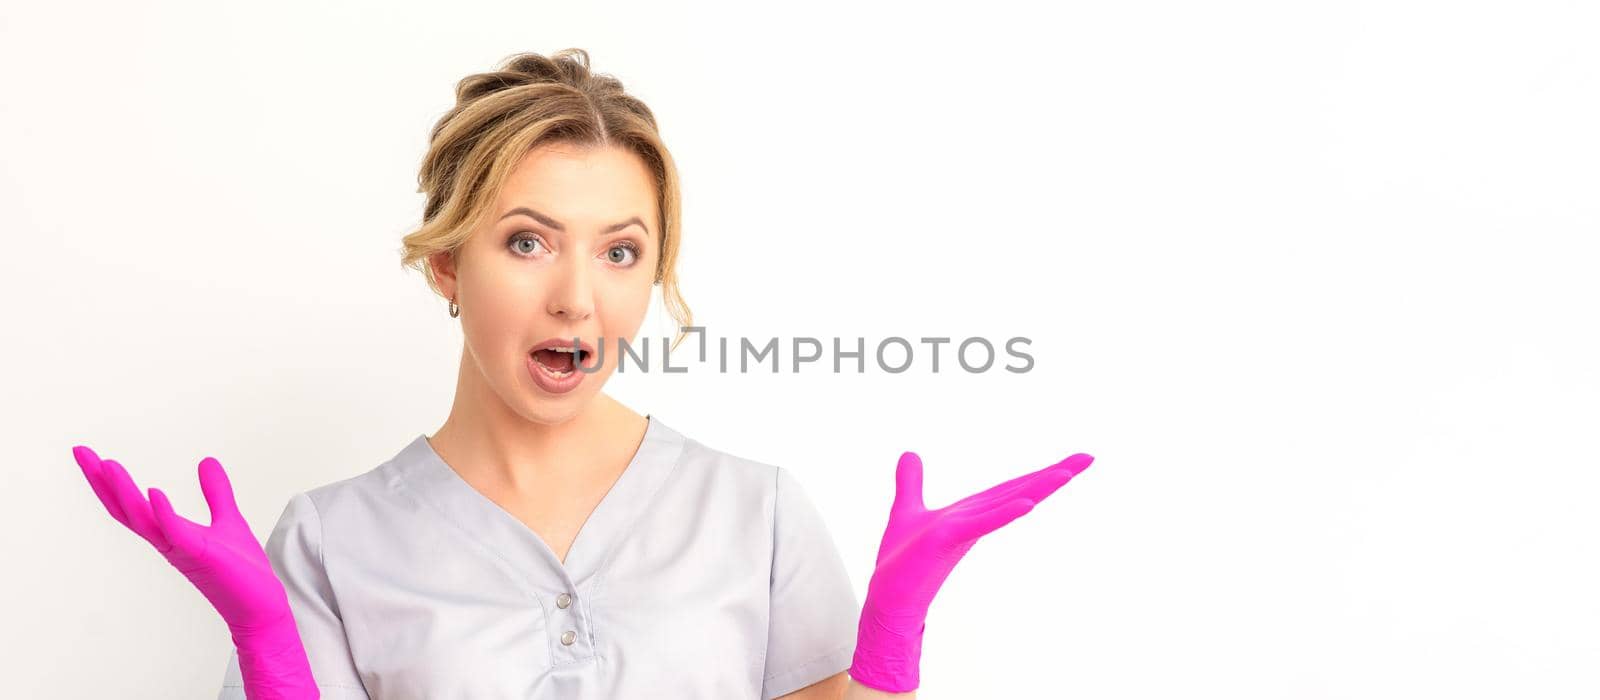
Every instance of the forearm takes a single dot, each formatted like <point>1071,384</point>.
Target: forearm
<point>274,665</point>
<point>883,658</point>
<point>857,691</point>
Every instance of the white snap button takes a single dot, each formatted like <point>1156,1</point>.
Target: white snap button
<point>568,637</point>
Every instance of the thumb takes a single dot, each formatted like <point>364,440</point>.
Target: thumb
<point>180,533</point>
<point>908,483</point>
<point>218,490</point>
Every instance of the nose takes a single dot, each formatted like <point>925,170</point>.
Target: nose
<point>571,294</point>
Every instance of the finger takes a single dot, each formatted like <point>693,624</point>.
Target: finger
<point>140,519</point>
<point>89,462</point>
<point>1046,480</point>
<point>1077,463</point>
<point>1001,491</point>
<point>908,482</point>
<point>1063,472</point>
<point>179,532</point>
<point>219,492</point>
<point>976,523</point>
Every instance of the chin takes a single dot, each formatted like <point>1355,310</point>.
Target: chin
<point>540,406</point>
<point>552,411</point>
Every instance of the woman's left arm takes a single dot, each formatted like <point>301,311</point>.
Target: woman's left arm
<point>841,686</point>
<point>919,549</point>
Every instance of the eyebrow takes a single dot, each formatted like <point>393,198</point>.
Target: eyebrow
<point>552,223</point>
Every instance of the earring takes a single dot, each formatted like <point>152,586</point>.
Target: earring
<point>455,309</point>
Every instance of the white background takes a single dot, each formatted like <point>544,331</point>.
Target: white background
<point>1313,281</point>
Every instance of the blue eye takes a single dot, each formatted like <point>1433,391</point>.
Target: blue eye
<point>627,249</point>
<point>517,241</point>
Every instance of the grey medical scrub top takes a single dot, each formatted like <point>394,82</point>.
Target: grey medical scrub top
<point>698,575</point>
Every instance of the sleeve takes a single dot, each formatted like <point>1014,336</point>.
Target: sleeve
<point>295,551</point>
<point>811,631</point>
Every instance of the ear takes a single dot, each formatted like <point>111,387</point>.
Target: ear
<point>443,265</point>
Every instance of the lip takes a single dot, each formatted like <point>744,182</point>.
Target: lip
<point>583,345</point>
<point>551,383</point>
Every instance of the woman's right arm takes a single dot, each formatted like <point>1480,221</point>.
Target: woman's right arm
<point>295,550</point>
<point>229,567</point>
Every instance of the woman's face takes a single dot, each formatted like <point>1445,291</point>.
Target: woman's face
<point>570,250</point>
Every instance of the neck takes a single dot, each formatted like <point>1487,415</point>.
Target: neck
<point>488,443</point>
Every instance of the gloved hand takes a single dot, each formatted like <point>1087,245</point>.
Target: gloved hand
<point>226,563</point>
<point>919,549</point>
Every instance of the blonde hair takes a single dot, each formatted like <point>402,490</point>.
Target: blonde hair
<point>528,101</point>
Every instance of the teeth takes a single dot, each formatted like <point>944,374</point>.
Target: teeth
<point>554,371</point>
<point>558,373</point>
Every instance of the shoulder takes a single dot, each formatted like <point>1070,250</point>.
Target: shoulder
<point>335,495</point>
<point>340,518</point>
<point>358,492</point>
<point>748,479</point>
<point>750,489</point>
<point>707,464</point>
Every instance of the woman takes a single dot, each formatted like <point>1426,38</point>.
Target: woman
<point>548,541</point>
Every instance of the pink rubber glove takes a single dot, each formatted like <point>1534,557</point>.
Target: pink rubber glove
<point>919,549</point>
<point>226,563</point>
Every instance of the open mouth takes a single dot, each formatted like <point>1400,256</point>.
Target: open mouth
<point>560,361</point>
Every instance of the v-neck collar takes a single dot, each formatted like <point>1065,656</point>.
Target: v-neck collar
<point>438,484</point>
